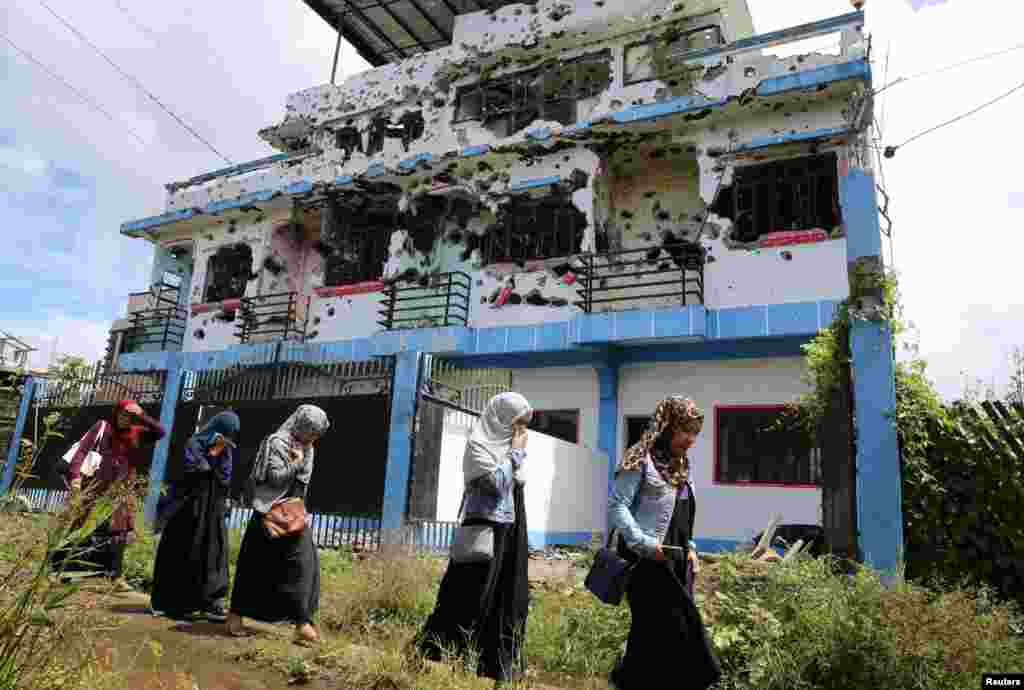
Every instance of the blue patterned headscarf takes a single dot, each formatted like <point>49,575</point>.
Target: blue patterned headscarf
<point>226,424</point>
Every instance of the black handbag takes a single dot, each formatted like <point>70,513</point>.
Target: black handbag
<point>608,578</point>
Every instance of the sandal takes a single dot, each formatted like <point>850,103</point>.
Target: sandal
<point>236,628</point>
<point>307,635</point>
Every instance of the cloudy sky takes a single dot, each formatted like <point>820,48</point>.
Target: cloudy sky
<point>69,175</point>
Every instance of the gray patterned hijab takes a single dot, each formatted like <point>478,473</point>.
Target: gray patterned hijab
<point>307,419</point>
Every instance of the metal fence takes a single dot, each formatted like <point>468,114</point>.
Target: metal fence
<point>441,300</point>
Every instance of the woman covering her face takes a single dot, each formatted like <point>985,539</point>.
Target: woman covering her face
<point>279,579</point>
<point>483,606</point>
<point>653,507</point>
<point>190,573</point>
<point>124,446</point>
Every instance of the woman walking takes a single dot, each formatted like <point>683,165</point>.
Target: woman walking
<point>652,506</point>
<point>190,572</point>
<point>483,606</point>
<point>122,452</point>
<point>278,578</point>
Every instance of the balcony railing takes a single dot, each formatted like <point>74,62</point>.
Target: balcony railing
<point>640,275</point>
<point>443,301</point>
<point>278,316</point>
<point>163,327</point>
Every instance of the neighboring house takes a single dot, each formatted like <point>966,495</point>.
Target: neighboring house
<point>599,203</point>
<point>14,364</point>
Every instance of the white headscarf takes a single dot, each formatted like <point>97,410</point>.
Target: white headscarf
<point>491,436</point>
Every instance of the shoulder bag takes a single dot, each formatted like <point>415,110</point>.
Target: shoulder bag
<point>608,578</point>
<point>92,460</point>
<point>472,543</point>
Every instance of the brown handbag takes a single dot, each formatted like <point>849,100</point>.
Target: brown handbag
<point>286,518</point>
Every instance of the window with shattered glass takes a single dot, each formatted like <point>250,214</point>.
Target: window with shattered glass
<point>665,58</point>
<point>536,229</point>
<point>508,104</point>
<point>227,273</point>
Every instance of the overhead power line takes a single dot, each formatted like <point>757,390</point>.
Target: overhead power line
<point>138,25</point>
<point>137,83</point>
<point>947,68</point>
<point>890,151</point>
<point>83,96</point>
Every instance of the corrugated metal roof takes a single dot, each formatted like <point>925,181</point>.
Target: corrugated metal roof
<point>384,31</point>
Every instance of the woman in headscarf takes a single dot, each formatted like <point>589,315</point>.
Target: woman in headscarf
<point>124,447</point>
<point>483,606</point>
<point>190,572</point>
<point>278,579</point>
<point>652,505</point>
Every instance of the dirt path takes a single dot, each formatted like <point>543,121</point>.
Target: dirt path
<point>185,655</point>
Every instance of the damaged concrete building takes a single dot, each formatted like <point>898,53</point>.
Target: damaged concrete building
<point>608,202</point>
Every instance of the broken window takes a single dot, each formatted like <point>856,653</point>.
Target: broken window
<point>665,57</point>
<point>796,194</point>
<point>562,424</point>
<point>227,273</point>
<point>752,447</point>
<point>361,256</point>
<point>508,104</point>
<point>533,229</point>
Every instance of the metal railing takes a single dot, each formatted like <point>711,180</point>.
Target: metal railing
<point>272,317</point>
<point>624,272</point>
<point>443,301</point>
<point>163,326</point>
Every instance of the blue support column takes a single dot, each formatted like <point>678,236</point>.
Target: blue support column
<point>172,389</point>
<point>19,428</point>
<point>399,460</point>
<point>879,478</point>
<point>608,415</point>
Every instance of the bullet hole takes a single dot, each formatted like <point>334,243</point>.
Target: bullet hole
<point>646,236</point>
<point>273,265</point>
<point>663,215</point>
<point>535,299</point>
<point>515,298</point>
<point>787,256</point>
<point>750,72</point>
<point>199,334</point>
<point>330,311</point>
<point>226,316</point>
<point>559,302</point>
<point>710,259</point>
<point>626,214</point>
<point>653,253</point>
<point>316,321</point>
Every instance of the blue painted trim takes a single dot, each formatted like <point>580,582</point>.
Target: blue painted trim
<point>300,187</point>
<point>540,539</point>
<point>244,200</point>
<point>19,428</point>
<point>413,163</point>
<point>471,151</point>
<point>376,170</point>
<point>158,469</point>
<point>675,106</point>
<point>235,170</point>
<point>399,460</point>
<point>879,478</point>
<point>523,185</point>
<point>540,133</point>
<point>608,416</point>
<point>811,79</point>
<point>343,180</point>
<point>860,214</point>
<point>764,142</point>
<point>135,226</point>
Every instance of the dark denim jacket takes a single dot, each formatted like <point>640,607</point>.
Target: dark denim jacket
<point>640,507</point>
<point>490,497</point>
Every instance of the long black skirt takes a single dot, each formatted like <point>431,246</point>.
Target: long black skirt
<point>482,607</point>
<point>276,579</point>
<point>99,554</point>
<point>666,629</point>
<point>191,568</point>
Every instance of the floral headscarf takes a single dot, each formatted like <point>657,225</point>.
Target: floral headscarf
<point>672,414</point>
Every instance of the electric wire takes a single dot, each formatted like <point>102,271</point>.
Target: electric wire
<point>81,95</point>
<point>137,83</point>
<point>941,70</point>
<point>138,25</point>
<point>892,149</point>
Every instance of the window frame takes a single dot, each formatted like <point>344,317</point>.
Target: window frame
<point>373,236</point>
<point>563,228</point>
<point>576,412</point>
<point>626,81</point>
<point>716,469</point>
<point>537,101</point>
<point>208,277</point>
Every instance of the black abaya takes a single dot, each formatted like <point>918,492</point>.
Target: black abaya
<point>666,624</point>
<point>491,600</point>
<point>191,569</point>
<point>276,580</point>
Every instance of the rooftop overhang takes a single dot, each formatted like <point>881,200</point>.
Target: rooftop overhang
<point>385,31</point>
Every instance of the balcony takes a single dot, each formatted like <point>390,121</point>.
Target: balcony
<point>155,329</point>
<point>635,278</point>
<point>441,302</point>
<point>277,316</point>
